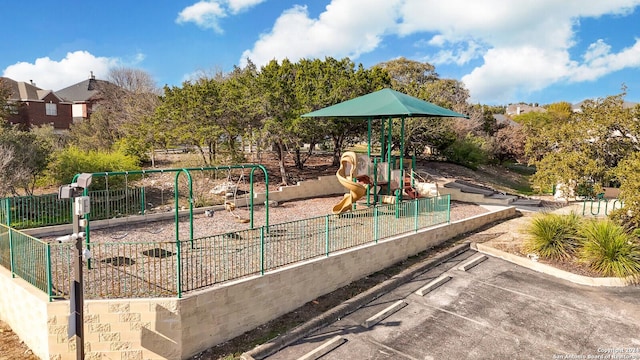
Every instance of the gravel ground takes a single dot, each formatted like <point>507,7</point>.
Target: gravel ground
<point>137,259</point>
<point>223,222</point>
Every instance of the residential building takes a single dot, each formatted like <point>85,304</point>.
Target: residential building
<point>34,106</point>
<point>83,96</point>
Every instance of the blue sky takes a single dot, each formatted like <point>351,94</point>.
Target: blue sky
<point>504,51</point>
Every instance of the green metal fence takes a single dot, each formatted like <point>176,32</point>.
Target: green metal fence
<point>601,207</point>
<point>157,269</point>
<point>26,257</point>
<point>26,212</point>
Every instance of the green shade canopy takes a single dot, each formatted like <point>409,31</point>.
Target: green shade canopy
<point>384,103</point>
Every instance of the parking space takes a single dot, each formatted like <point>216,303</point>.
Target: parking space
<point>493,310</point>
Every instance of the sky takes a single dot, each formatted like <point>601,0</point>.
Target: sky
<point>504,51</point>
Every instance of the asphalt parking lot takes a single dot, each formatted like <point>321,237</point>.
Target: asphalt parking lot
<point>493,310</point>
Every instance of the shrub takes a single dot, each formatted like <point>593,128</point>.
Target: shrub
<point>609,249</point>
<point>553,236</point>
<point>71,160</point>
<point>467,152</point>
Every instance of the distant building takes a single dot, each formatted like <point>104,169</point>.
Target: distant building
<point>33,106</point>
<point>83,96</point>
<point>503,120</point>
<point>519,109</point>
<point>577,107</point>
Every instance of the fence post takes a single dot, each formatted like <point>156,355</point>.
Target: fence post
<point>262,250</point>
<point>326,235</point>
<point>11,253</point>
<point>415,214</point>
<point>178,268</point>
<point>49,284</point>
<point>142,202</point>
<point>375,224</point>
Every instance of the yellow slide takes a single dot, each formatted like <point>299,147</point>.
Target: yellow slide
<point>356,189</point>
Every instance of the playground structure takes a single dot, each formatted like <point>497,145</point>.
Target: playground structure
<point>376,180</point>
<point>383,105</point>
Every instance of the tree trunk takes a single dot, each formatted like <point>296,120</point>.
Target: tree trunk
<point>337,149</point>
<point>281,161</point>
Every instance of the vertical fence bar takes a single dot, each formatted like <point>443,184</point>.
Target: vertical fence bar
<point>48,268</point>
<point>415,214</point>
<point>12,253</point>
<point>179,268</point>
<point>326,236</point>
<point>376,235</point>
<point>262,255</point>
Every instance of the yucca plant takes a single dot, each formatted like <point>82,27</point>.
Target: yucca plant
<point>553,236</point>
<point>610,250</point>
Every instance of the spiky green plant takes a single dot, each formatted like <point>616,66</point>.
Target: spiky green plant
<point>610,250</point>
<point>553,236</point>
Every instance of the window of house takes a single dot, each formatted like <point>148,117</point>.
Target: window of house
<point>51,109</point>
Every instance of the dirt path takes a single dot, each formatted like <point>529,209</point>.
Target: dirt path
<point>11,347</point>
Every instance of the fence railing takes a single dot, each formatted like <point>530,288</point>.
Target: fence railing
<point>26,212</point>
<point>600,207</point>
<point>164,269</point>
<point>26,257</point>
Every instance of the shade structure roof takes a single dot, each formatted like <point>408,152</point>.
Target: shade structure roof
<point>384,103</point>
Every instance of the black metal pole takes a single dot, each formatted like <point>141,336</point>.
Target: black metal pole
<point>77,302</point>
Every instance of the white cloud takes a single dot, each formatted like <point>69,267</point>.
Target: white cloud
<point>54,75</point>
<point>207,13</point>
<point>237,6</point>
<point>204,14</point>
<point>524,46</point>
<point>345,28</point>
<point>599,61</point>
<point>509,73</point>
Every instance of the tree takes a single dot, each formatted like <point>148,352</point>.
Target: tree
<point>409,76</point>
<point>588,145</point>
<point>325,83</point>
<point>240,110</point>
<point>420,80</point>
<point>123,115</point>
<point>508,143</point>
<point>136,96</point>
<point>5,105</point>
<point>189,115</point>
<point>280,108</point>
<point>561,110</point>
<point>23,157</point>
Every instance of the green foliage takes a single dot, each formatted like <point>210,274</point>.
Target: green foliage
<point>5,105</point>
<point>70,161</point>
<point>609,249</point>
<point>628,174</point>
<point>521,169</point>
<point>553,236</point>
<point>567,168</point>
<point>23,158</point>
<point>467,152</point>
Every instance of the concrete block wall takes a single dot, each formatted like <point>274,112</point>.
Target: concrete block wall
<point>25,309</point>
<point>323,186</point>
<point>135,329</point>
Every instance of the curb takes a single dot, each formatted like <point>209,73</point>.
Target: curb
<point>351,305</point>
<point>550,270</point>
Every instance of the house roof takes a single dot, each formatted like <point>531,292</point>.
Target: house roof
<point>502,119</point>
<point>24,91</point>
<point>625,104</point>
<point>82,91</point>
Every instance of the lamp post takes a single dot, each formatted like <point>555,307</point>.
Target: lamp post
<point>81,207</point>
